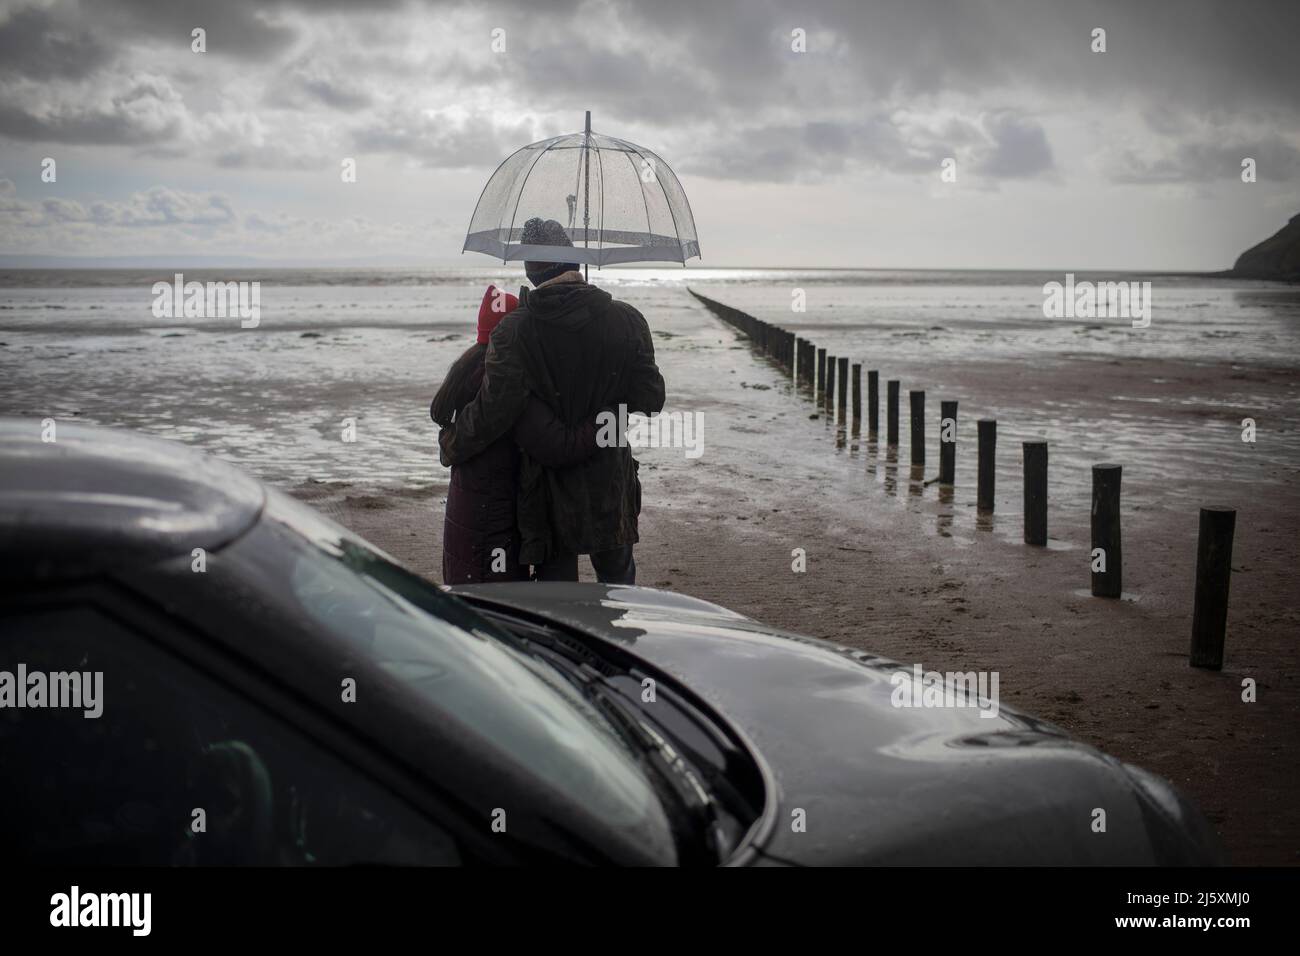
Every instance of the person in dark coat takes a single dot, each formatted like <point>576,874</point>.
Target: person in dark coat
<point>480,538</point>
<point>581,351</point>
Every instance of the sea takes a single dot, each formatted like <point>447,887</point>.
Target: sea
<point>1168,397</point>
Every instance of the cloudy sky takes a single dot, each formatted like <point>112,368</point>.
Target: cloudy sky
<point>1129,158</point>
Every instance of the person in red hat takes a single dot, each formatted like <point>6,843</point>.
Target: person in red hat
<point>480,536</point>
<point>582,352</point>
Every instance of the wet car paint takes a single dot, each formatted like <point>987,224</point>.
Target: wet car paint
<point>92,498</point>
<point>875,783</point>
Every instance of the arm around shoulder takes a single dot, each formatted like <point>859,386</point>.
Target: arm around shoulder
<point>499,402</point>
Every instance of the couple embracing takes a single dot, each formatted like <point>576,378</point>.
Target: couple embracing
<point>532,486</point>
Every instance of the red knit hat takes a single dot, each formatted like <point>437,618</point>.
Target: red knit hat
<point>496,306</point>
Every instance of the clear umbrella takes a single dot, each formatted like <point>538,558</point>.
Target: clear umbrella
<point>618,202</point>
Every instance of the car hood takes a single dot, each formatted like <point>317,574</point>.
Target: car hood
<point>855,778</point>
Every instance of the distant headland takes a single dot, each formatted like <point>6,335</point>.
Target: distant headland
<point>1277,257</point>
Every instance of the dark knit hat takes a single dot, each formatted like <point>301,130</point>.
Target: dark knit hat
<point>545,232</point>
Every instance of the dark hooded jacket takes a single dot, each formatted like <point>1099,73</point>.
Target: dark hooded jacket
<point>480,532</point>
<point>579,351</point>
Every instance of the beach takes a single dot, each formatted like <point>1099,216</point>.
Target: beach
<point>894,566</point>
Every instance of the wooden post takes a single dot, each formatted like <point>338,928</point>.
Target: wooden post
<point>1035,493</point>
<point>988,442</point>
<point>821,371</point>
<point>843,382</point>
<point>947,446</point>
<point>917,400</point>
<point>829,398</point>
<point>1213,570</point>
<point>857,397</point>
<point>873,402</point>
<point>1105,532</point>
<point>891,412</point>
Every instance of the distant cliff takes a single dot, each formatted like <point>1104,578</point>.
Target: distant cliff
<point>1277,257</point>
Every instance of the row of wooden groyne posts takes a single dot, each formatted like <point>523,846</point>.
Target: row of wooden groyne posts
<point>827,378</point>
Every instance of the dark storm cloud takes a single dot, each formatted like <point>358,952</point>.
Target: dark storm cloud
<point>245,29</point>
<point>234,28</point>
<point>35,44</point>
<point>1178,53</point>
<point>439,141</point>
<point>305,83</point>
<point>1203,162</point>
<point>72,37</point>
<point>87,128</point>
<point>804,151</point>
<point>146,111</point>
<point>727,66</point>
<point>999,145</point>
<point>638,82</point>
<point>336,95</point>
<point>717,81</point>
<point>1017,148</point>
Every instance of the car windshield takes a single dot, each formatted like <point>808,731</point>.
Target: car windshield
<point>464,666</point>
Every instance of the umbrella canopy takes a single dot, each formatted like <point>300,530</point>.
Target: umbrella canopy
<point>618,202</point>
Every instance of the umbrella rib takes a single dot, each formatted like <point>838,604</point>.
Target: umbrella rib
<point>577,181</point>
<point>686,199</point>
<point>514,214</point>
<point>547,145</point>
<point>677,230</point>
<point>649,229</point>
<point>485,189</point>
<point>600,163</point>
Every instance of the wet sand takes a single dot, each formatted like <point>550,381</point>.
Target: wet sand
<point>895,568</point>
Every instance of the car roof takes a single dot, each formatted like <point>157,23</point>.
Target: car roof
<point>97,498</point>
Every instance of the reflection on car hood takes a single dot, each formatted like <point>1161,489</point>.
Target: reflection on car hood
<point>859,780</point>
<point>78,500</point>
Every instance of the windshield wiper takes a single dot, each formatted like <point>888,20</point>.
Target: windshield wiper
<point>670,767</point>
<point>590,674</point>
